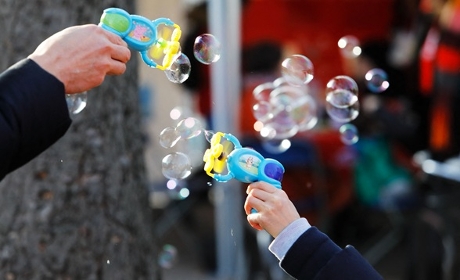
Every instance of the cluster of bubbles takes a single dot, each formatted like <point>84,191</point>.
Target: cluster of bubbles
<point>206,49</point>
<point>285,107</point>
<point>342,92</point>
<point>177,165</point>
<point>342,106</point>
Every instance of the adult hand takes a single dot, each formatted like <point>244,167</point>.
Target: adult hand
<point>274,209</point>
<point>81,56</point>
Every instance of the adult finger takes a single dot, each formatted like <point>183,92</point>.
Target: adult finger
<point>120,53</point>
<point>262,186</point>
<point>114,38</point>
<point>116,68</point>
<point>253,221</point>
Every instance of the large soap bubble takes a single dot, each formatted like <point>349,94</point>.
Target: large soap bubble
<point>207,49</point>
<point>176,166</point>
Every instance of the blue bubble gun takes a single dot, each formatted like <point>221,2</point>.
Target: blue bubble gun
<point>157,41</point>
<point>244,164</point>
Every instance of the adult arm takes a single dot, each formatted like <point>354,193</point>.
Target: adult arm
<point>33,113</point>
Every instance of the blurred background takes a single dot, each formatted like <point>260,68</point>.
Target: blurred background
<point>383,175</point>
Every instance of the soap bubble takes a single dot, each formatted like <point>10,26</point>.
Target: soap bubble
<point>179,71</point>
<point>349,46</point>
<point>169,137</point>
<point>348,134</point>
<point>168,256</point>
<point>297,69</point>
<point>376,80</point>
<point>176,166</point>
<point>76,102</point>
<point>189,128</point>
<point>207,49</point>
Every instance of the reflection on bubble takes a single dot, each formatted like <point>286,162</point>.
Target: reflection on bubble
<point>189,128</point>
<point>262,92</point>
<point>169,137</point>
<point>278,129</point>
<point>179,71</point>
<point>168,256</point>
<point>348,134</point>
<point>349,46</point>
<point>180,112</point>
<point>276,146</point>
<point>262,111</point>
<point>208,134</point>
<point>346,114</point>
<point>342,82</point>
<point>297,70</point>
<point>176,166</point>
<point>207,49</point>
<point>341,98</point>
<point>376,80</point>
<point>76,102</point>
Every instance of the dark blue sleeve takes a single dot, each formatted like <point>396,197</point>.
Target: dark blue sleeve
<point>315,256</point>
<point>33,113</point>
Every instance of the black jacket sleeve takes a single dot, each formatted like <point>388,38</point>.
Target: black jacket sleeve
<point>33,113</point>
<point>315,256</point>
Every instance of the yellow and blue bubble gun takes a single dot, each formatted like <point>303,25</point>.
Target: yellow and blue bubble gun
<point>157,41</point>
<point>244,164</point>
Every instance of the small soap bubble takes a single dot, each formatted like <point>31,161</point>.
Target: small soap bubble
<point>348,134</point>
<point>76,102</point>
<point>189,128</point>
<point>169,137</point>
<point>349,46</point>
<point>297,70</point>
<point>179,71</point>
<point>207,48</point>
<point>176,166</point>
<point>168,256</point>
<point>376,80</point>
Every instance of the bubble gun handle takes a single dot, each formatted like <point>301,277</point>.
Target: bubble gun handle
<point>156,41</point>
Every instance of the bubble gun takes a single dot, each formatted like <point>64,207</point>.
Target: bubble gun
<point>156,41</point>
<point>244,164</point>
